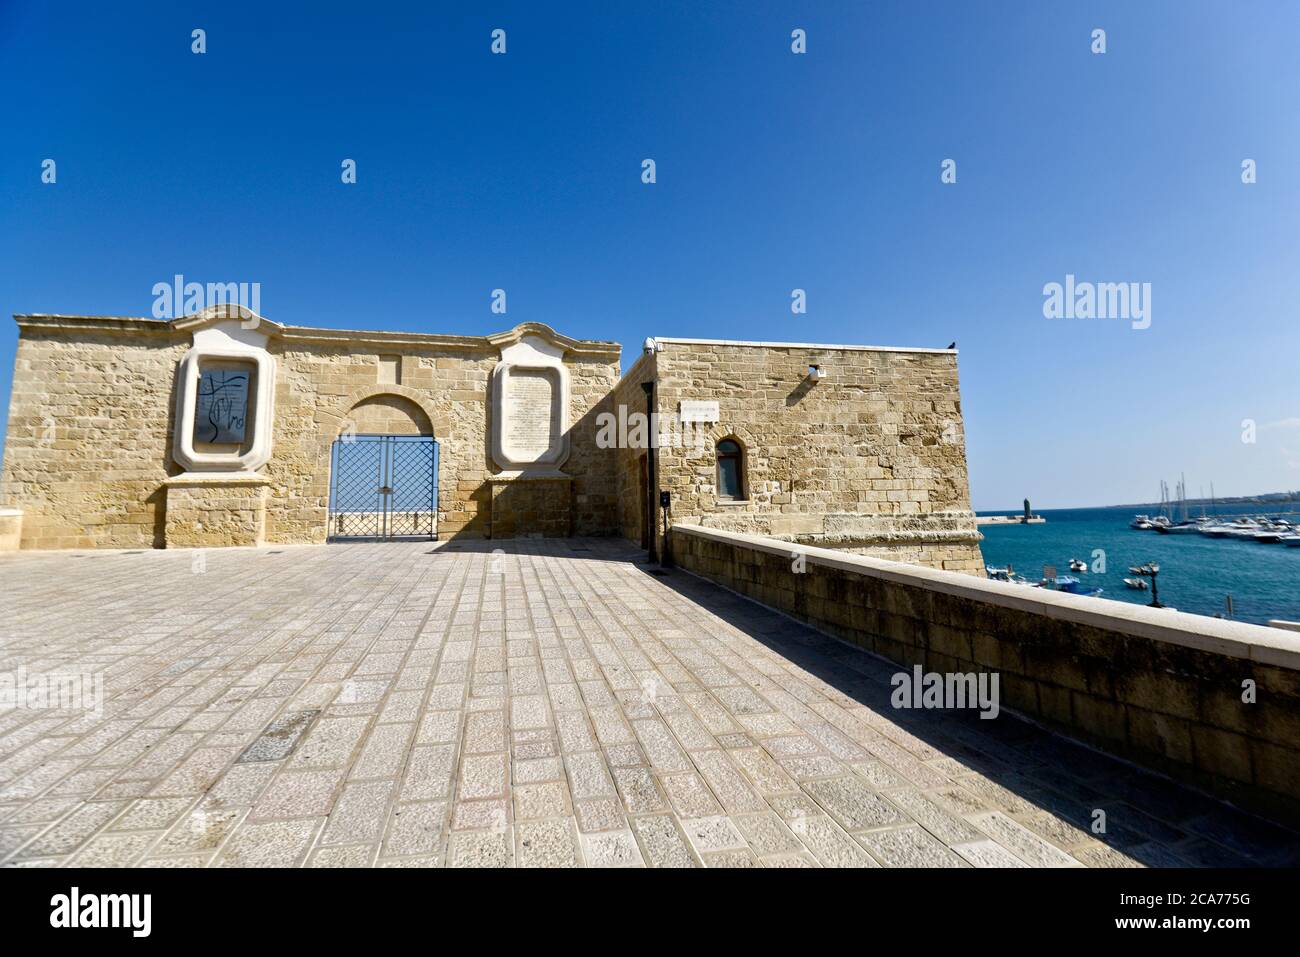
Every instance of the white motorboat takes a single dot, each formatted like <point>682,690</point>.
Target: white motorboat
<point>1182,528</point>
<point>1009,575</point>
<point>1140,521</point>
<point>1243,529</point>
<point>1078,565</point>
<point>1138,584</point>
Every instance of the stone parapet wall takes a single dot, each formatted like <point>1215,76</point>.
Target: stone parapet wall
<point>940,540</point>
<point>1159,687</point>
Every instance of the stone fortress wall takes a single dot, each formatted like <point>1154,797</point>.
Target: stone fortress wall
<point>88,445</point>
<point>89,450</point>
<point>869,457</point>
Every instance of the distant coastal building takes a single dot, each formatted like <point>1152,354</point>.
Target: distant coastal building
<point>225,428</point>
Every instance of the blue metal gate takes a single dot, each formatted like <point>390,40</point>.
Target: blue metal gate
<point>383,487</point>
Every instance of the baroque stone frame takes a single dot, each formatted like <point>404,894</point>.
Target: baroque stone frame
<point>532,352</point>
<point>216,343</point>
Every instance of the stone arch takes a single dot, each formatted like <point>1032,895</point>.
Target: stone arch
<point>740,433</point>
<point>334,420</point>
<point>755,466</point>
<point>741,458</point>
<point>388,414</point>
<point>386,403</point>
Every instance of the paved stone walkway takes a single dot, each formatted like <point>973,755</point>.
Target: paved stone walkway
<point>549,704</point>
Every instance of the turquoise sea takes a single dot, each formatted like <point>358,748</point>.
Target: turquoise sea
<point>1196,573</point>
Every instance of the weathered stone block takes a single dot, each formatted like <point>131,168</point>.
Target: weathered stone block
<point>1222,753</point>
<point>1161,734</point>
<point>11,528</point>
<point>216,511</point>
<point>1098,717</point>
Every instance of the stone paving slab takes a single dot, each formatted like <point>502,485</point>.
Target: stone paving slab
<point>518,704</point>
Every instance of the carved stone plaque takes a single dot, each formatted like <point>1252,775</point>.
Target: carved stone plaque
<point>528,410</point>
<point>692,410</point>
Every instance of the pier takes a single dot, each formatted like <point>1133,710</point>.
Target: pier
<point>1027,517</point>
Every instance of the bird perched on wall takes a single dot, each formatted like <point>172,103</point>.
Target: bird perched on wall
<point>953,344</point>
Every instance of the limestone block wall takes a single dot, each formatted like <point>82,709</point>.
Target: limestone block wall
<point>89,434</point>
<point>1162,688</point>
<point>92,411</point>
<point>629,397</point>
<point>872,456</point>
<point>595,500</point>
<point>327,387</point>
<point>869,458</point>
<point>11,529</point>
<point>216,513</point>
<point>533,508</point>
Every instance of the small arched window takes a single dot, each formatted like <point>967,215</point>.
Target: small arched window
<point>731,472</point>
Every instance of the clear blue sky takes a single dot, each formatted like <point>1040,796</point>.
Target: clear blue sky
<point>775,171</point>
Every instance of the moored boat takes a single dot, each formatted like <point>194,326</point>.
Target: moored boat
<point>1070,585</point>
<point>1009,576</point>
<point>1243,529</point>
<point>1182,528</point>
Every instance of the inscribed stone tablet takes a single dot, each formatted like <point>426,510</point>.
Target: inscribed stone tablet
<point>529,413</point>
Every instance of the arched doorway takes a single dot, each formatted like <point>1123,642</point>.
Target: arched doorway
<point>384,473</point>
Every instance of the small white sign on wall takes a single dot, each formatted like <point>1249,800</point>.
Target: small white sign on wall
<point>696,411</point>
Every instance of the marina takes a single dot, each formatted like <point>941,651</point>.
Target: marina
<point>1243,565</point>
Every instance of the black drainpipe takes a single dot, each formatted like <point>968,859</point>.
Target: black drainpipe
<point>652,495</point>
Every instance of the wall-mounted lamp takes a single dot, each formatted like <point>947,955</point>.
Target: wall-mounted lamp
<point>816,373</point>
